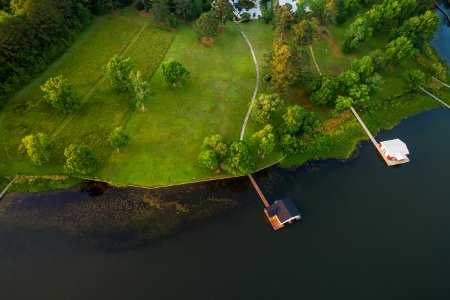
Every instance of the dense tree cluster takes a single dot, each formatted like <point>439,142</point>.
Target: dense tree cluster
<point>380,16</point>
<point>32,34</point>
<point>80,160</point>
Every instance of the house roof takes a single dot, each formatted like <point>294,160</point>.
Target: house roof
<point>284,209</point>
<point>395,148</point>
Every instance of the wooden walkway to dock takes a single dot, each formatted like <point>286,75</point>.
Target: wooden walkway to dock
<point>7,187</point>
<point>434,97</point>
<point>375,143</point>
<point>258,190</point>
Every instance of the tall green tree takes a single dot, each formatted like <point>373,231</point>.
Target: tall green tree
<point>415,79</point>
<point>303,33</point>
<point>118,138</point>
<point>343,103</point>
<point>37,147</point>
<point>398,50</point>
<point>206,26</point>
<point>80,160</point>
<point>264,106</point>
<point>241,159</point>
<point>264,139</point>
<point>326,94</point>
<point>141,90</point>
<point>118,71</point>
<point>214,152</point>
<point>284,19</point>
<point>174,72</point>
<point>60,94</point>
<point>161,9</point>
<point>419,29</point>
<point>223,10</point>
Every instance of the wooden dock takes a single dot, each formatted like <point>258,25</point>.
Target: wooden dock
<point>375,143</point>
<point>8,186</point>
<point>434,97</point>
<point>258,190</point>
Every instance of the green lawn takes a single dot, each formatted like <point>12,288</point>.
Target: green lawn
<point>166,139</point>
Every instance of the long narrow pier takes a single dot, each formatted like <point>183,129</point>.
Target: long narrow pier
<point>258,190</point>
<point>8,186</point>
<point>434,97</point>
<point>375,143</point>
<point>440,81</point>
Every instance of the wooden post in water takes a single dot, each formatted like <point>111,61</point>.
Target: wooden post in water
<point>258,190</point>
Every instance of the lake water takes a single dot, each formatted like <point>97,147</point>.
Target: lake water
<point>368,232</point>
<point>441,40</point>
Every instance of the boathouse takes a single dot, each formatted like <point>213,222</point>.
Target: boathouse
<point>282,212</point>
<point>394,150</point>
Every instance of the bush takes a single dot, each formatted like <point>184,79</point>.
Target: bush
<point>245,17</point>
<point>172,21</point>
<point>80,160</point>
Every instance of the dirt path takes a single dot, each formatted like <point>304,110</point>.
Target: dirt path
<point>102,78</point>
<point>247,116</point>
<point>314,60</point>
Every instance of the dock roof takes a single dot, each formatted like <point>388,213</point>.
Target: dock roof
<point>284,209</point>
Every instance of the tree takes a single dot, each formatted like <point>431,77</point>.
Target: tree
<point>357,32</point>
<point>359,92</point>
<point>343,103</point>
<point>37,147</point>
<point>80,160</point>
<point>206,26</point>
<point>265,140</point>
<point>284,18</point>
<point>161,9</point>
<point>327,92</point>
<point>304,33</point>
<point>347,79</point>
<point>214,152</point>
<point>419,29</point>
<point>290,144</point>
<point>118,70</point>
<point>174,72</point>
<point>118,138</point>
<point>59,94</point>
<point>398,51</point>
<point>363,67</point>
<point>240,158</point>
<point>415,79</point>
<point>298,121</point>
<point>351,6</point>
<point>141,89</point>
<point>189,10</point>
<point>223,10</point>
<point>264,106</point>
<point>285,66</point>
<point>325,10</point>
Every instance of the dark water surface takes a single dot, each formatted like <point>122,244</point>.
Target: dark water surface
<point>441,40</point>
<point>368,232</point>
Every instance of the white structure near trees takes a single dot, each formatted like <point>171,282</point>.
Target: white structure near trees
<point>394,149</point>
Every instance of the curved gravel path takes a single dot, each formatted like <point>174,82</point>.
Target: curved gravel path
<point>247,116</point>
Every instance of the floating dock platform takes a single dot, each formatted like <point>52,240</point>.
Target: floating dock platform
<point>279,213</point>
<point>389,161</point>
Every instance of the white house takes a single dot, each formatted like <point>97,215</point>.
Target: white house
<point>394,149</point>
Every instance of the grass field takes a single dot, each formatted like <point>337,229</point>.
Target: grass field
<point>166,139</point>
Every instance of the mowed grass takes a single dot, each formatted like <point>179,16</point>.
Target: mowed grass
<point>166,139</point>
<point>126,34</point>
